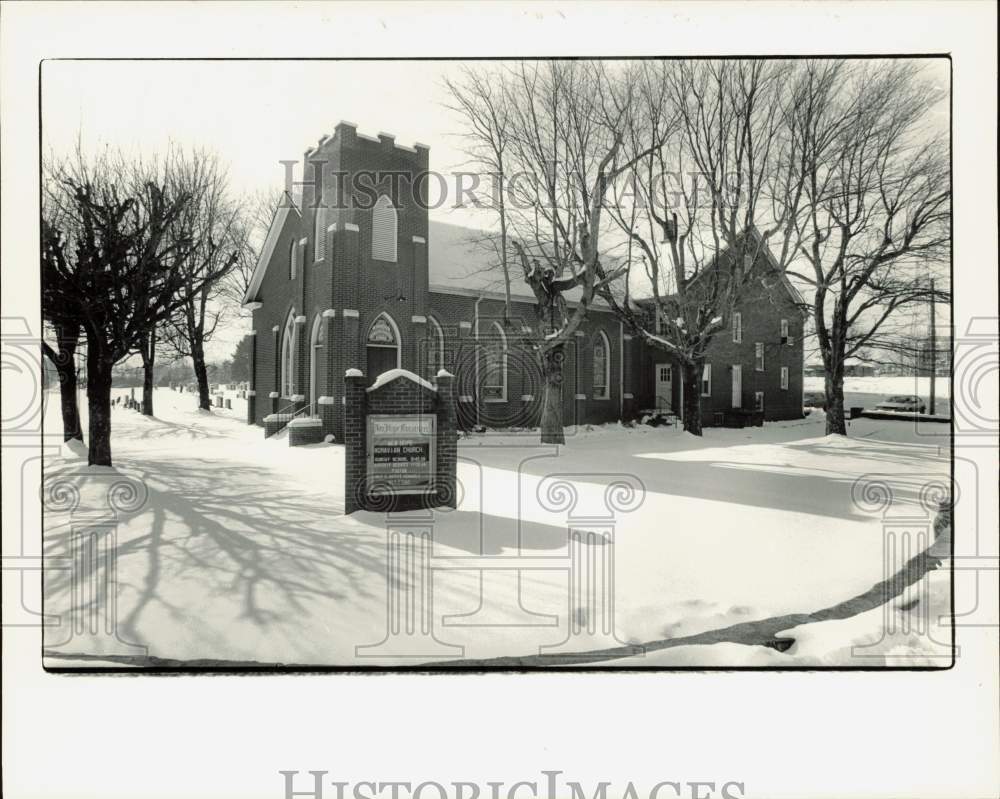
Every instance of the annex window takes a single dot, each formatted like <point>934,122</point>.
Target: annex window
<point>758,356</point>
<point>737,327</point>
<point>319,232</point>
<point>493,365</point>
<point>706,380</point>
<point>758,400</point>
<point>384,222</point>
<point>784,331</point>
<point>602,366</point>
<point>784,377</point>
<point>293,257</point>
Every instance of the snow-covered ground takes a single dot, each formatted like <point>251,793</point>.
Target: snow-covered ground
<point>240,551</point>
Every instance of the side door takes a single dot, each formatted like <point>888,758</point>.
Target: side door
<point>664,384</point>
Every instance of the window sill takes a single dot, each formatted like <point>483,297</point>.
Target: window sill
<point>495,400</point>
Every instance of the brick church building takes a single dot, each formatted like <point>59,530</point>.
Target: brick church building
<point>364,280</point>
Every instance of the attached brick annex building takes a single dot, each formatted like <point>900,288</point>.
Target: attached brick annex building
<point>363,280</point>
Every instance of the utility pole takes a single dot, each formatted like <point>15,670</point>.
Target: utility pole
<point>933,349</point>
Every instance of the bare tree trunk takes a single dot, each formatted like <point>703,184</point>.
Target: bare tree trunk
<point>148,362</point>
<point>552,400</point>
<point>201,373</point>
<point>98,406</point>
<point>65,365</point>
<point>834,385</point>
<point>691,381</point>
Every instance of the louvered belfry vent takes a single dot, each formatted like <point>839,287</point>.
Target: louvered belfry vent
<point>384,230</point>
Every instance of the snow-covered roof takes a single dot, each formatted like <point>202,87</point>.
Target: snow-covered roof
<point>460,260</point>
<point>467,261</point>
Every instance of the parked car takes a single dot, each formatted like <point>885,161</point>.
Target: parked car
<point>902,403</point>
<point>814,399</point>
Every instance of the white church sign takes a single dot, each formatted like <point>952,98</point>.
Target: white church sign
<point>401,453</point>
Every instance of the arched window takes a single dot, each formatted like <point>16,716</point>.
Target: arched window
<point>288,356</point>
<point>493,366</point>
<point>319,232</point>
<point>384,230</point>
<point>434,356</point>
<point>382,346</point>
<point>316,341</point>
<point>292,260</point>
<point>602,366</point>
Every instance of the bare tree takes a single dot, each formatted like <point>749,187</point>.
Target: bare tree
<point>63,358</point>
<point>248,231</point>
<point>482,99</point>
<point>107,260</point>
<point>213,225</point>
<point>63,320</point>
<point>877,204</point>
<point>556,151</point>
<point>696,212</point>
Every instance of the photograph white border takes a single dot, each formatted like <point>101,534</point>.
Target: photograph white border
<point>896,734</point>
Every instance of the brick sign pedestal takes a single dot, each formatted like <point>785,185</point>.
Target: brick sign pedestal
<point>400,444</point>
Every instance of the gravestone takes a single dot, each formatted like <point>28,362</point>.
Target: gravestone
<point>400,442</point>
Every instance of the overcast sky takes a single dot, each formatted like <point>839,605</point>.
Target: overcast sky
<point>256,114</point>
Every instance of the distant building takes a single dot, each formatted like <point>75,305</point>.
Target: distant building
<point>858,370</point>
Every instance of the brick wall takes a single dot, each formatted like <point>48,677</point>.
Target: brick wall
<point>280,296</point>
<point>762,311</point>
<point>346,283</point>
<point>762,308</point>
<point>524,377</point>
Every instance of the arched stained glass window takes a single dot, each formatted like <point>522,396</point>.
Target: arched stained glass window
<point>382,333</point>
<point>434,347</point>
<point>288,356</point>
<point>319,232</point>
<point>493,365</point>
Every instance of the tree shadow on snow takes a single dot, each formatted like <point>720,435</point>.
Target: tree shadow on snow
<point>776,484</point>
<point>215,528</point>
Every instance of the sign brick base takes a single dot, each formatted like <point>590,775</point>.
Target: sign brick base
<point>411,468</point>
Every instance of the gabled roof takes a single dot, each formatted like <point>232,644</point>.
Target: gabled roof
<point>278,220</point>
<point>718,259</point>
